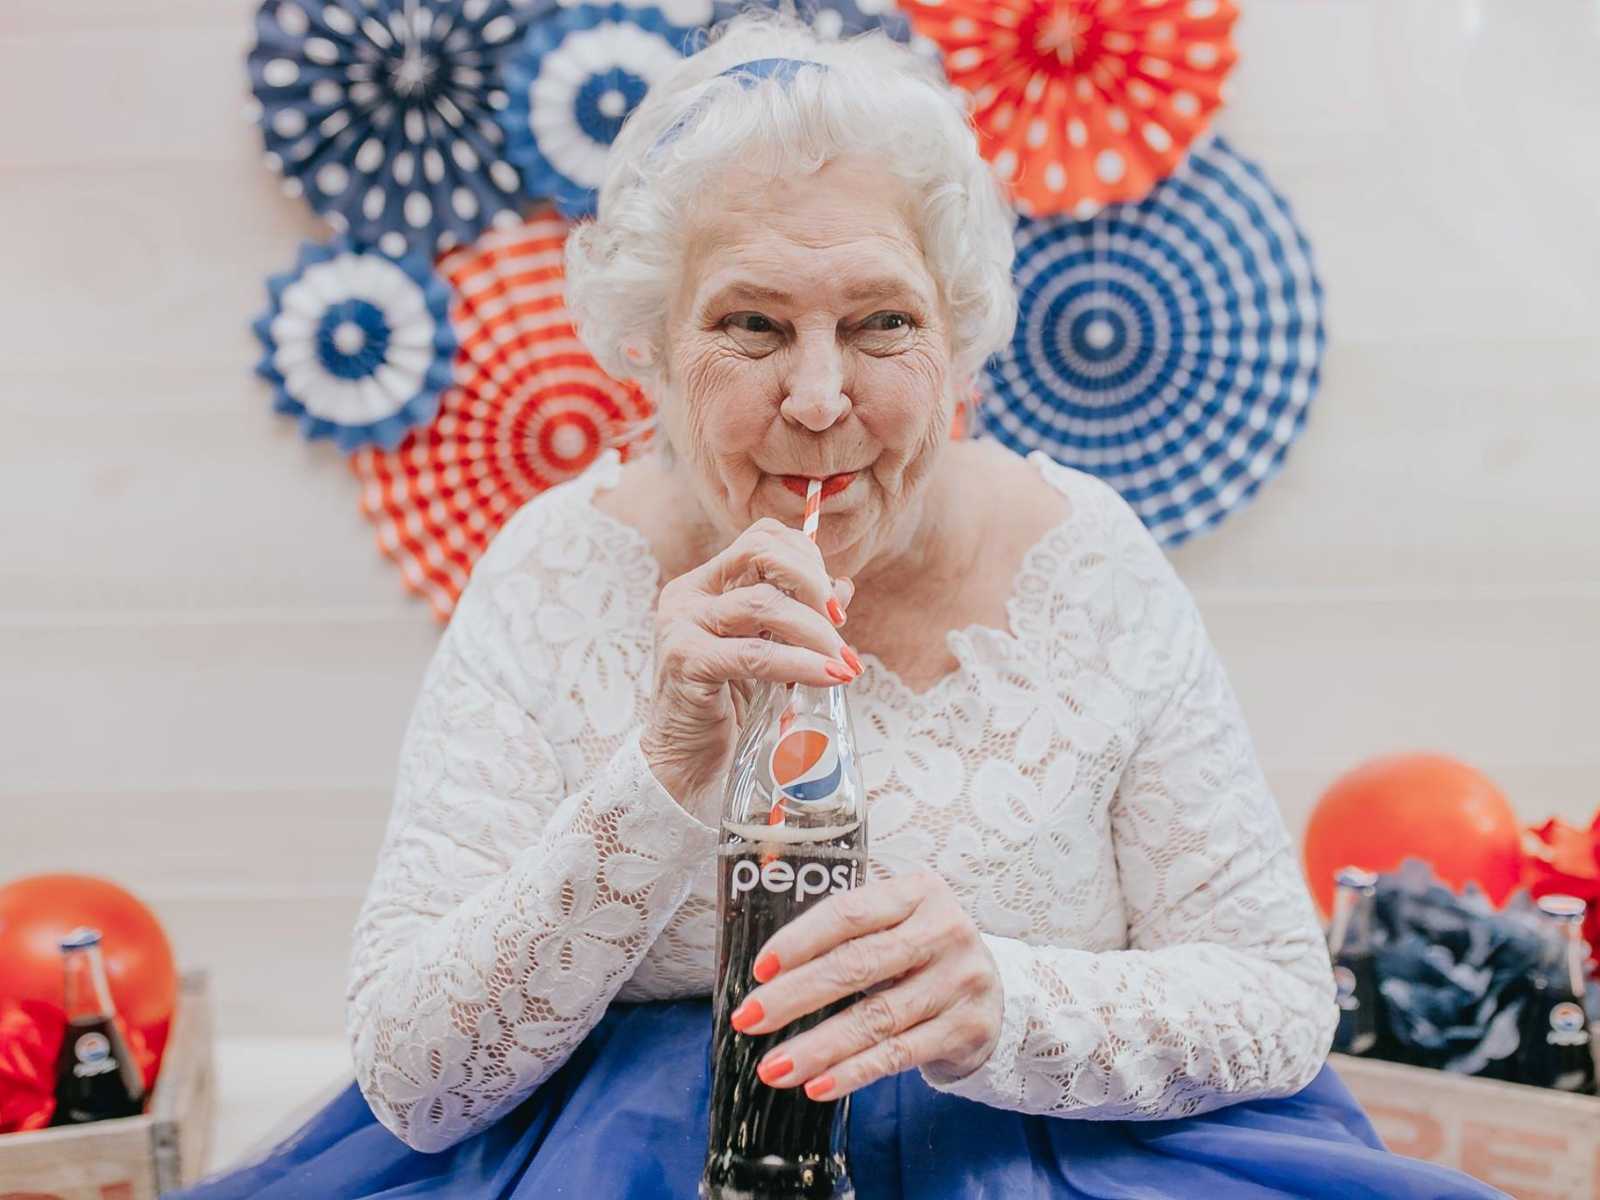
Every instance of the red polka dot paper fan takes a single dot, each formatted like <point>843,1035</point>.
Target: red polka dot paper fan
<point>529,408</point>
<point>1083,103</point>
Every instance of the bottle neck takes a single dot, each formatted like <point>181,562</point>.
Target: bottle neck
<point>1574,954</point>
<point>1352,921</point>
<point>88,995</point>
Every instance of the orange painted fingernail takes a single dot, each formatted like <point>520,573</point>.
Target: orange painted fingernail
<point>766,967</point>
<point>851,658</point>
<point>835,613</point>
<point>838,670</point>
<point>747,1014</point>
<point>774,1069</point>
<point>819,1087</point>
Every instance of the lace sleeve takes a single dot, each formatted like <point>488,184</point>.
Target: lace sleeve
<point>506,910</point>
<point>1225,992</point>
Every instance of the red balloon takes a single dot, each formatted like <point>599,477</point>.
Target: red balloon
<point>1415,806</point>
<point>36,913</point>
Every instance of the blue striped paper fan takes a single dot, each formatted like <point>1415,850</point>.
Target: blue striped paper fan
<point>381,113</point>
<point>572,80</point>
<point>1171,347</point>
<point>356,343</point>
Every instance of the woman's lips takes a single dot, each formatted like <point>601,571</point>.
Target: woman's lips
<point>831,486</point>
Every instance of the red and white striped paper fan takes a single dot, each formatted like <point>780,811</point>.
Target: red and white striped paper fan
<point>1083,103</point>
<point>529,408</point>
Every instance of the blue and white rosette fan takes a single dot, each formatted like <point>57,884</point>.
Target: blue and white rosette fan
<point>358,343</point>
<point>382,113</point>
<point>1171,347</point>
<point>576,75</point>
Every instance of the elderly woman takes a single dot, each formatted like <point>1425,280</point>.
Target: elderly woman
<point>1083,918</point>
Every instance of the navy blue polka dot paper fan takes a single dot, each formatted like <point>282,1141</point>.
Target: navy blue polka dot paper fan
<point>577,73</point>
<point>1172,347</point>
<point>381,114</point>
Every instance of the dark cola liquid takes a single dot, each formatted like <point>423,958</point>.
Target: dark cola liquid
<point>1555,1050</point>
<point>768,1143</point>
<point>96,1077</point>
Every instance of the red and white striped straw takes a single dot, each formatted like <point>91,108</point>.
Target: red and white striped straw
<point>786,719</point>
<point>813,508</point>
<point>809,528</point>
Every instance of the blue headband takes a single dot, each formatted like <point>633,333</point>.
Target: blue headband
<point>748,74</point>
<point>782,69</point>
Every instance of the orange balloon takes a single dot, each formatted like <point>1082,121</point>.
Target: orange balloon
<point>1422,806</point>
<point>37,912</point>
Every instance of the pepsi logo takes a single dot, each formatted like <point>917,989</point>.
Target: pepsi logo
<point>805,762</point>
<point>92,1047</point>
<point>1567,1017</point>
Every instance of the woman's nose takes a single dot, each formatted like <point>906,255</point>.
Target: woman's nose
<point>816,411</point>
<point>816,397</point>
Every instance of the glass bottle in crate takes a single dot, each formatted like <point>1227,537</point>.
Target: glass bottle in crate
<point>794,832</point>
<point>1355,967</point>
<point>96,1076</point>
<point>1556,1050</point>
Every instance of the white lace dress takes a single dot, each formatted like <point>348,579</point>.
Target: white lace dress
<point>1084,781</point>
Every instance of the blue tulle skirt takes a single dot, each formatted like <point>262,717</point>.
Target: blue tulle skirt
<point>625,1119</point>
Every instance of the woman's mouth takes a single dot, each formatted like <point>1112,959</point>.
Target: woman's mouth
<point>831,486</point>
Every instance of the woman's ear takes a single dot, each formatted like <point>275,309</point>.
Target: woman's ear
<point>639,353</point>
<point>963,408</point>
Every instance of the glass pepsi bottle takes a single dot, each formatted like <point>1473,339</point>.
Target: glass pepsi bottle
<point>794,832</point>
<point>1355,966</point>
<point>96,1076</point>
<point>1556,1050</point>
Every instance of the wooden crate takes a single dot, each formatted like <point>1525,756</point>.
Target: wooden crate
<point>134,1158</point>
<point>1532,1143</point>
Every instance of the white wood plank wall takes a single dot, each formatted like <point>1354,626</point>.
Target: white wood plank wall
<point>205,666</point>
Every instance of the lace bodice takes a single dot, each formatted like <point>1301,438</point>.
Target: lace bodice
<point>1083,780</point>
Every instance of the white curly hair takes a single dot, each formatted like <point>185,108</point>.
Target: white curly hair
<point>875,98</point>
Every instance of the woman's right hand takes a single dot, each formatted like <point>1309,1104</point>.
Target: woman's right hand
<point>764,609</point>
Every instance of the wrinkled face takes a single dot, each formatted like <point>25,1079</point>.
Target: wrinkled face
<point>807,339</point>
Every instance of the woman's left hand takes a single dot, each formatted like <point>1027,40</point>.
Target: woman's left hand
<point>941,1006</point>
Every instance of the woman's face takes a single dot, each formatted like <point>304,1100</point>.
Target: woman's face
<point>807,339</point>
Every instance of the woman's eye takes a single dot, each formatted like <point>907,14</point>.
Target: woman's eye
<point>887,322</point>
<point>752,323</point>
